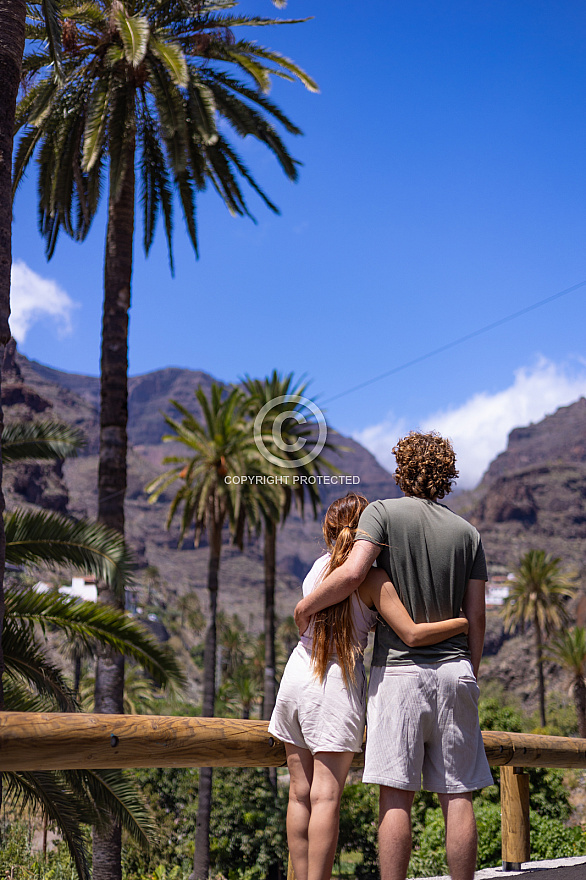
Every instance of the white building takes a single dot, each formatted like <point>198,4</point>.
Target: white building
<point>497,590</point>
<point>80,588</point>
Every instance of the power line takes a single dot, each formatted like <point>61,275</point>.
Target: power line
<point>455,342</point>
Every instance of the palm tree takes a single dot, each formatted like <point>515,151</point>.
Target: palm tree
<point>144,84</point>
<point>49,539</point>
<point>44,440</point>
<point>233,643</point>
<point>43,538</point>
<point>569,650</point>
<point>35,684</point>
<point>241,692</point>
<point>12,40</point>
<point>218,448</point>
<point>12,21</point>
<point>190,612</point>
<point>538,598</point>
<point>283,396</point>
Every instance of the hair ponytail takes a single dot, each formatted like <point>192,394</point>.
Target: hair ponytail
<point>333,627</point>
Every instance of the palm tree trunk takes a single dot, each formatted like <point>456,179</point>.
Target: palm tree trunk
<point>201,859</point>
<point>540,678</point>
<point>12,19</point>
<point>270,554</point>
<point>77,658</point>
<point>580,701</point>
<point>109,688</point>
<point>270,688</point>
<point>45,830</point>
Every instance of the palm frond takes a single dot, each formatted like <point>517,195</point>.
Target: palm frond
<point>86,12</point>
<point>95,124</point>
<point>47,790</point>
<point>134,32</point>
<point>18,697</point>
<point>46,440</point>
<point>173,58</point>
<point>220,77</point>
<point>116,793</point>
<point>26,663</point>
<point>93,623</point>
<point>46,538</point>
<point>52,18</point>
<point>281,61</point>
<point>36,104</point>
<point>202,109</point>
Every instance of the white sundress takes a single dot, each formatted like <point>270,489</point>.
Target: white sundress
<point>323,716</point>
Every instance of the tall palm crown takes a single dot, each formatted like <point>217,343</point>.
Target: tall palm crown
<point>538,597</point>
<point>218,447</point>
<point>153,79</point>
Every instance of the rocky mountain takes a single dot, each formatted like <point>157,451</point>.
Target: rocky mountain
<point>534,493</point>
<point>148,396</point>
<point>559,437</point>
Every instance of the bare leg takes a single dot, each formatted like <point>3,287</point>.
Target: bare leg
<point>300,764</point>
<point>394,832</point>
<point>461,834</point>
<point>329,775</point>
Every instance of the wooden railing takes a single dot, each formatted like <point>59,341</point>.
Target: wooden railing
<point>54,741</point>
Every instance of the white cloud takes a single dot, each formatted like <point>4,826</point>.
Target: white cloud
<point>33,298</point>
<point>479,427</point>
<point>380,439</point>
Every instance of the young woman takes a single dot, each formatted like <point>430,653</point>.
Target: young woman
<point>320,708</point>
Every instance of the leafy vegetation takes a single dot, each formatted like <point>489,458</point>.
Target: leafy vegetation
<point>539,599</point>
<point>33,682</point>
<point>569,650</point>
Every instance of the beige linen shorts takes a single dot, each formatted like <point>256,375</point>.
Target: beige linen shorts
<point>422,722</point>
<point>319,716</point>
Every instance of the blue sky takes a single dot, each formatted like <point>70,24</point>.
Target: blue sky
<point>443,187</point>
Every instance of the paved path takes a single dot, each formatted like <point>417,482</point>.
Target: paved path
<point>557,869</point>
<point>568,872</point>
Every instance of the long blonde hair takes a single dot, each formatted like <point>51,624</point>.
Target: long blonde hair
<point>333,627</point>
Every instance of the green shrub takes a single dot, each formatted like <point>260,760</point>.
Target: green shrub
<point>358,827</point>
<point>247,827</point>
<point>551,839</point>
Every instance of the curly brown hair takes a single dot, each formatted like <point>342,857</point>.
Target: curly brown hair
<point>426,465</point>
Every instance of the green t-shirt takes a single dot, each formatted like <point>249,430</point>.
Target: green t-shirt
<point>430,554</point>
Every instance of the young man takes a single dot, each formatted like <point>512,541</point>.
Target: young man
<point>423,702</point>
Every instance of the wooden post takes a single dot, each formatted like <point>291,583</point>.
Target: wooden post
<point>515,817</point>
